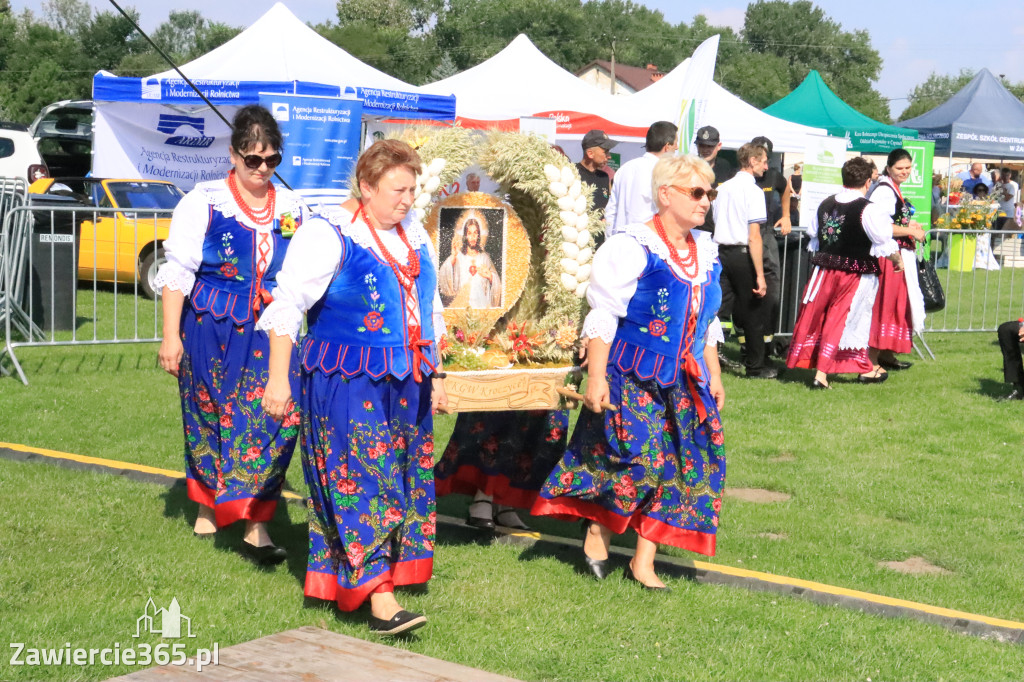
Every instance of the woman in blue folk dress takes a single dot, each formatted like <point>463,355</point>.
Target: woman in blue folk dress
<point>371,381</point>
<point>226,244</point>
<point>656,463</point>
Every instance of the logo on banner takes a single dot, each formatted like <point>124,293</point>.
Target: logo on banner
<point>280,111</point>
<point>296,160</point>
<point>152,88</point>
<point>172,124</point>
<point>916,179</point>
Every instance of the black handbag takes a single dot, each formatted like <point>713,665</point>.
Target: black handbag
<point>931,288</point>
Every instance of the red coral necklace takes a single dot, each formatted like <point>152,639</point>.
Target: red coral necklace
<point>260,216</point>
<point>687,265</point>
<point>406,274</point>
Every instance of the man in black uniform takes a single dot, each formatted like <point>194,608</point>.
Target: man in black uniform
<point>596,148</point>
<point>777,192</point>
<point>709,143</point>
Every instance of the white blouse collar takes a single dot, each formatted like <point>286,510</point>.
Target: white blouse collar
<point>359,232</point>
<point>707,249</point>
<point>218,195</point>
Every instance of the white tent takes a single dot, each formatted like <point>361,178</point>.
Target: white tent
<point>279,47</point>
<point>737,122</point>
<point>521,81</point>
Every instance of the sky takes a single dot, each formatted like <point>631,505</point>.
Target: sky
<point>914,38</point>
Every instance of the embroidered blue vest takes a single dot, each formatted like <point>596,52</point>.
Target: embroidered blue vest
<point>226,279</point>
<point>360,325</point>
<point>662,336</point>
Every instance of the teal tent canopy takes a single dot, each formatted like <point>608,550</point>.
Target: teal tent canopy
<point>814,104</point>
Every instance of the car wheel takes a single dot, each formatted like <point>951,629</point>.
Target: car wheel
<point>148,269</point>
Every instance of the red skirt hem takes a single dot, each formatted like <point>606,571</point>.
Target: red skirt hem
<point>571,508</point>
<point>890,319</point>
<point>467,480</point>
<point>226,513</point>
<point>325,585</point>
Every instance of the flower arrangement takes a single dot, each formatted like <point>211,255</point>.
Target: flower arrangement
<point>970,216</point>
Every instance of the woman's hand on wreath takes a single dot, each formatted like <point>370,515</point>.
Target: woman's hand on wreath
<point>277,398</point>
<point>597,393</point>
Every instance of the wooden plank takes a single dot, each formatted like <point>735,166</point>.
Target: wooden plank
<point>312,654</point>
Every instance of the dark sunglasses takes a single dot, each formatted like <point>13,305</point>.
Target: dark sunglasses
<point>254,161</point>
<point>697,193</point>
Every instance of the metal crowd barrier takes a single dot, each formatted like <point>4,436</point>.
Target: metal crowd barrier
<point>71,276</point>
<point>983,288</point>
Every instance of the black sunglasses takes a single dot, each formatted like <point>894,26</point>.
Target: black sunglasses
<point>254,161</point>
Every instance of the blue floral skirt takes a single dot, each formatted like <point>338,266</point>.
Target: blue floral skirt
<point>654,466</point>
<point>507,455</point>
<point>367,454</point>
<point>235,455</point>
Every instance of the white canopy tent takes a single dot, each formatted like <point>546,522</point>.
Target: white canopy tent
<point>737,122</point>
<point>279,47</point>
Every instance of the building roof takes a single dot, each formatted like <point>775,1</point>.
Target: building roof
<point>636,77</point>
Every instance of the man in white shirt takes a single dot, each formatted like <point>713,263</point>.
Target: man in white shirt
<point>1005,192</point>
<point>631,200</point>
<point>739,211</point>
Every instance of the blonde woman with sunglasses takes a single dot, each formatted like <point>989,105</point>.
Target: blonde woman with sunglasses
<point>647,452</point>
<point>226,244</point>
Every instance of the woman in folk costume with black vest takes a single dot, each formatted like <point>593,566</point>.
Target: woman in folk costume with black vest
<point>849,236</point>
<point>226,244</point>
<point>657,462</point>
<point>370,384</point>
<point>899,308</point>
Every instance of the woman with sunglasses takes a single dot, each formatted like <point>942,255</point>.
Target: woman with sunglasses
<point>899,306</point>
<point>371,382</point>
<point>226,244</point>
<point>648,453</point>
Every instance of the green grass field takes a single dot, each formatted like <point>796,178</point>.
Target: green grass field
<point>927,464</point>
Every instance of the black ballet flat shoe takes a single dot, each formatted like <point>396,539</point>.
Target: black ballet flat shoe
<point>515,523</point>
<point>819,386</point>
<point>872,378</point>
<point>628,575</point>
<point>597,567</point>
<point>400,623</point>
<point>205,536</point>
<point>267,555</point>
<point>895,364</point>
<point>481,522</point>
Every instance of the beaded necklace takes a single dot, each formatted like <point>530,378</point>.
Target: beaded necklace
<point>689,265</point>
<point>406,274</point>
<point>260,216</point>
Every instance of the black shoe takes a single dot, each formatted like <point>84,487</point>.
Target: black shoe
<point>205,536</point>
<point>267,555</point>
<point>598,567</point>
<point>508,518</point>
<point>628,575</point>
<point>1017,394</point>
<point>764,373</point>
<point>873,378</point>
<point>895,364</point>
<point>819,386</point>
<point>481,522</point>
<point>403,621</point>
<point>728,363</point>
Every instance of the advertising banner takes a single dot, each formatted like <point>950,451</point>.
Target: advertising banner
<point>183,145</point>
<point>918,187</point>
<point>694,92</point>
<point>823,164</point>
<point>321,139</point>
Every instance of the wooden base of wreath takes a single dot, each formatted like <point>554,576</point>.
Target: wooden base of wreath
<point>506,389</point>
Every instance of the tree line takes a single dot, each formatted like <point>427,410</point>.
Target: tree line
<point>54,55</point>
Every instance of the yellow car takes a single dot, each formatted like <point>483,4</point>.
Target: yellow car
<point>123,246</point>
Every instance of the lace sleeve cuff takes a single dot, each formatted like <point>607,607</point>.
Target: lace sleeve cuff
<point>883,250</point>
<point>600,324</point>
<point>715,333</point>
<point>283,319</point>
<point>174,277</point>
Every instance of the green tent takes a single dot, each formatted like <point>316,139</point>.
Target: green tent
<point>814,104</point>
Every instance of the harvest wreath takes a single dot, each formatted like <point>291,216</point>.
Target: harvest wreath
<point>513,271</point>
